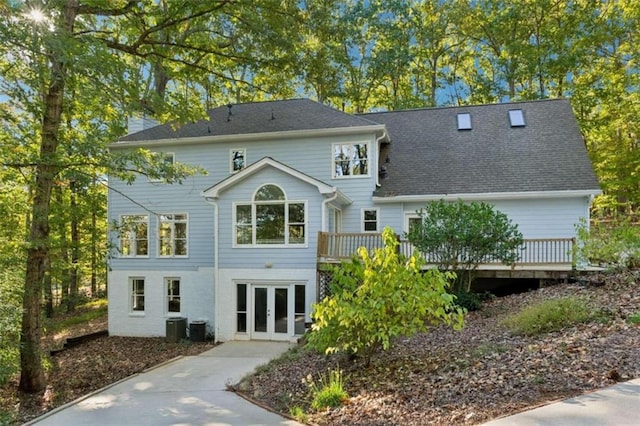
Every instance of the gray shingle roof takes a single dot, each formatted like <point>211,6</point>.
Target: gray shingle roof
<point>428,155</point>
<point>274,116</point>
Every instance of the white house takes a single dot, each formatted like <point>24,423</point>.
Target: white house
<point>238,248</point>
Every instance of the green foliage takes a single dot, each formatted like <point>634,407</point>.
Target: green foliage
<point>615,244</point>
<point>468,300</point>
<point>459,236</point>
<point>378,296</point>
<point>328,391</point>
<point>86,313</point>
<point>298,413</point>
<point>10,317</point>
<point>634,319</point>
<point>547,316</point>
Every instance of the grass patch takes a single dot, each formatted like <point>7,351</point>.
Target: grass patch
<point>328,391</point>
<point>634,319</point>
<point>299,414</point>
<point>547,316</point>
<point>84,313</point>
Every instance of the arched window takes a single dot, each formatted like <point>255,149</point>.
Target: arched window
<point>270,219</point>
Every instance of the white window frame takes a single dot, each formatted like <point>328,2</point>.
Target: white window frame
<point>173,235</point>
<point>170,297</point>
<point>133,295</point>
<point>232,151</point>
<point>516,118</point>
<point>464,121</point>
<point>364,221</point>
<point>368,159</point>
<point>130,236</point>
<point>166,155</point>
<point>253,203</point>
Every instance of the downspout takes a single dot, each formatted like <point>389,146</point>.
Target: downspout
<point>216,271</point>
<point>378,145</point>
<point>325,203</point>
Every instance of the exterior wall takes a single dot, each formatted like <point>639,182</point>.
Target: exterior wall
<point>312,156</point>
<point>196,292</point>
<point>536,218</point>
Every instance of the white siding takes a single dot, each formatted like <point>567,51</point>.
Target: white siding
<point>536,218</point>
<point>196,292</point>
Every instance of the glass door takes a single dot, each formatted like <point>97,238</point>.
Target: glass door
<point>271,313</point>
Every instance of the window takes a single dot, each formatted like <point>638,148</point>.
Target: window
<point>173,295</point>
<point>137,294</point>
<point>134,235</point>
<point>270,219</point>
<point>370,220</point>
<point>241,308</point>
<point>299,309</point>
<point>172,235</point>
<point>168,158</point>
<point>464,121</point>
<point>238,160</point>
<point>350,160</point>
<point>516,118</point>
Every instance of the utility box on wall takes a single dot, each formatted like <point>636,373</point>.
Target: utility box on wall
<point>176,329</point>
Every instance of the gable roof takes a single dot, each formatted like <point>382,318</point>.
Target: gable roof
<point>428,154</point>
<point>214,191</point>
<point>259,117</point>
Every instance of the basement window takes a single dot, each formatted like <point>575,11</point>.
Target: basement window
<point>516,118</point>
<point>464,121</point>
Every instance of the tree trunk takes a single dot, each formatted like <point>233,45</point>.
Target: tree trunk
<point>31,373</point>
<point>94,254</point>
<point>75,247</point>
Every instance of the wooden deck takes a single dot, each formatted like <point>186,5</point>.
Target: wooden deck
<point>553,258</point>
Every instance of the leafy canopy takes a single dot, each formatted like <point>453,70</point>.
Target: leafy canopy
<point>459,236</point>
<point>378,296</point>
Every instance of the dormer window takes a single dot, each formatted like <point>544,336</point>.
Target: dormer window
<point>516,118</point>
<point>464,121</point>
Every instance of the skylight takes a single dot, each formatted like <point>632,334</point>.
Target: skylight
<point>516,117</point>
<point>464,121</point>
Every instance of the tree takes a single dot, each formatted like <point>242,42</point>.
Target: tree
<point>379,296</point>
<point>459,236</point>
<point>85,65</point>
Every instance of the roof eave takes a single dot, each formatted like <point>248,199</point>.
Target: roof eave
<point>248,137</point>
<point>484,196</point>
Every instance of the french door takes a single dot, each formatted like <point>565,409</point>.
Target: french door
<point>271,313</point>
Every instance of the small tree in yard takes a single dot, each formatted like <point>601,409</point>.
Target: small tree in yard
<point>378,296</point>
<point>459,236</point>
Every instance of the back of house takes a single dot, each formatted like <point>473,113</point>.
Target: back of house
<point>238,248</point>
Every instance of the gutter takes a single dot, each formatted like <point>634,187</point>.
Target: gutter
<point>481,196</point>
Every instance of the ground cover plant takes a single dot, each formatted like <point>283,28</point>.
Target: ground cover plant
<point>478,373</point>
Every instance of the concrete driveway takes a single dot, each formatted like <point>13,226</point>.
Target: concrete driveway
<point>188,391</point>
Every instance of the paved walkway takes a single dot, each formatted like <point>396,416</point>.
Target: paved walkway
<point>616,405</point>
<point>188,391</point>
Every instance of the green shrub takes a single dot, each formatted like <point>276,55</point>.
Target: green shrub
<point>468,300</point>
<point>377,297</point>
<point>547,316</point>
<point>329,391</point>
<point>299,414</point>
<point>614,244</point>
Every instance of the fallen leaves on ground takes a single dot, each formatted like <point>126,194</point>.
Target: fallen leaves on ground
<point>92,365</point>
<point>478,373</point>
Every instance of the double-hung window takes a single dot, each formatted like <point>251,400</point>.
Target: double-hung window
<point>270,219</point>
<point>137,294</point>
<point>350,160</point>
<point>173,295</point>
<point>134,235</point>
<point>172,235</point>
<point>370,220</point>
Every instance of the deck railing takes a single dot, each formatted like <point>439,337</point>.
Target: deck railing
<point>540,251</point>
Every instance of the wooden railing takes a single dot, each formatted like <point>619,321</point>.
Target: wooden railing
<point>541,251</point>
